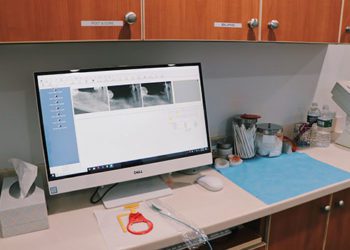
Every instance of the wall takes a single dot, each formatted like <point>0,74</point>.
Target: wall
<point>277,81</point>
<point>336,67</point>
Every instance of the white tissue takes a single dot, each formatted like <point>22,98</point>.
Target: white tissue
<point>26,174</point>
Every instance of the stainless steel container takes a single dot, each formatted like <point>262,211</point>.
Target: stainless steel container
<point>269,139</point>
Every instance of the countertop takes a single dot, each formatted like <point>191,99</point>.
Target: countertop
<point>74,226</point>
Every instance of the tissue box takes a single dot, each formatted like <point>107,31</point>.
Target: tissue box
<point>19,216</point>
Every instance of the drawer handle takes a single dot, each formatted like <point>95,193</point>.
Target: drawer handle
<point>273,24</point>
<point>253,23</point>
<point>130,17</point>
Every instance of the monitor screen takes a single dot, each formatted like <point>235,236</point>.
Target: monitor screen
<point>101,126</point>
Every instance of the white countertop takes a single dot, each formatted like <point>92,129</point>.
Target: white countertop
<point>74,226</point>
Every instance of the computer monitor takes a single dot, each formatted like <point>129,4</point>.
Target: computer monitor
<point>111,125</point>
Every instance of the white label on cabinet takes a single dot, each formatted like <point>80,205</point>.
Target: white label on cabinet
<point>227,25</point>
<point>94,23</point>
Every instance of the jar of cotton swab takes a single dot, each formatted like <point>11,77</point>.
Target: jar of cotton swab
<point>244,133</point>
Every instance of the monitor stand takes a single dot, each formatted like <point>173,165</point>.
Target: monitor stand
<point>135,191</point>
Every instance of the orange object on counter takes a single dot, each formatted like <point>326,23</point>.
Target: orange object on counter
<point>135,217</point>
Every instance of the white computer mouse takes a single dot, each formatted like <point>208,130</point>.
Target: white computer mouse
<point>210,183</point>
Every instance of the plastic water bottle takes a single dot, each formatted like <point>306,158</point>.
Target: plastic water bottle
<point>313,135</point>
<point>313,113</point>
<point>324,127</point>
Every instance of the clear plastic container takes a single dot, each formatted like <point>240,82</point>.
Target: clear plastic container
<point>302,134</point>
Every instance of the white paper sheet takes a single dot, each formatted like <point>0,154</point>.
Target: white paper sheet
<point>115,238</point>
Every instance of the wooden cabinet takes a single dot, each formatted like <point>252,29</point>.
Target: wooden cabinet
<point>200,19</point>
<point>339,222</point>
<point>345,27</point>
<point>313,225</point>
<point>302,227</point>
<point>223,20</point>
<point>301,21</point>
<point>42,20</point>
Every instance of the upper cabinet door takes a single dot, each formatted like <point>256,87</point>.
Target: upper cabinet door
<point>201,19</point>
<point>67,20</point>
<point>301,20</point>
<point>345,28</point>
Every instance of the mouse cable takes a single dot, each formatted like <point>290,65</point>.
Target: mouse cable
<point>101,196</point>
<point>208,244</point>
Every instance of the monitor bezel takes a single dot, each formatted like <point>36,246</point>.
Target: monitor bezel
<point>138,167</point>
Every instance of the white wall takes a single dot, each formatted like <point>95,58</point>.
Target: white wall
<point>336,67</point>
<point>277,81</point>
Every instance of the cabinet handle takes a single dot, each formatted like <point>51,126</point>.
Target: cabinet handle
<point>347,29</point>
<point>273,24</point>
<point>327,208</point>
<point>340,203</point>
<point>253,23</point>
<point>130,17</point>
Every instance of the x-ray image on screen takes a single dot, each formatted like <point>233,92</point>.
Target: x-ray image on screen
<point>88,100</point>
<point>113,125</point>
<point>125,96</point>
<point>157,93</point>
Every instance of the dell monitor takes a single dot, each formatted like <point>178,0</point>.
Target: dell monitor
<point>112,125</point>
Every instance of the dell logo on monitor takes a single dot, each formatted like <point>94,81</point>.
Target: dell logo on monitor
<point>138,172</point>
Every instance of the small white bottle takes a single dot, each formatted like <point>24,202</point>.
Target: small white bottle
<point>324,127</point>
<point>313,113</point>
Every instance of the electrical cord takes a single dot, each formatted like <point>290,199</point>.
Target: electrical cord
<point>188,225</point>
<point>193,228</point>
<point>204,237</point>
<point>101,196</point>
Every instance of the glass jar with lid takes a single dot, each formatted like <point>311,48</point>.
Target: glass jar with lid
<point>269,139</point>
<point>244,129</point>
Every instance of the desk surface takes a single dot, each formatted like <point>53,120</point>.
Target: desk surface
<point>74,226</point>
